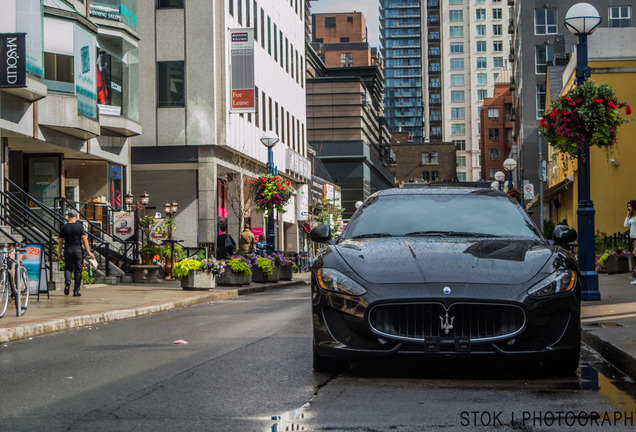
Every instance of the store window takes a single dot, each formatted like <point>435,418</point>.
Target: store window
<point>170,4</point>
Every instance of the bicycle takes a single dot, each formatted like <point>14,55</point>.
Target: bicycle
<point>8,285</point>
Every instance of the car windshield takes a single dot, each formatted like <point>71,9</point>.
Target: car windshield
<point>437,215</point>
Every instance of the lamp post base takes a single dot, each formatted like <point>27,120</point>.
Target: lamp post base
<point>589,286</point>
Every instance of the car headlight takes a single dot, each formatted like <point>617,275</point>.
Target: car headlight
<point>333,280</point>
<point>558,282</point>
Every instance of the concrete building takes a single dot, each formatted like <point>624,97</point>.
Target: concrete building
<point>541,40</point>
<point>497,122</point>
<point>66,131</point>
<point>200,141</point>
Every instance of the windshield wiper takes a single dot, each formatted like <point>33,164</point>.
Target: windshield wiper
<point>448,233</point>
<point>372,235</point>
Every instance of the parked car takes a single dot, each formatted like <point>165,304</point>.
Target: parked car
<point>445,271</point>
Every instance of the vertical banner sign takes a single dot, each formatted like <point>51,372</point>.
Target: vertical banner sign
<point>242,65</point>
<point>85,78</point>
<point>124,224</point>
<point>32,260</point>
<point>29,21</point>
<point>12,60</point>
<point>303,202</point>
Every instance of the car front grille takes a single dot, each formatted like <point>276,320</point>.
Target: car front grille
<point>477,322</point>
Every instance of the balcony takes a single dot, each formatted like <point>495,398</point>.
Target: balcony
<point>511,2</point>
<point>513,85</point>
<point>511,27</point>
<point>511,55</point>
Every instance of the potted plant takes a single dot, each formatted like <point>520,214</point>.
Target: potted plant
<point>616,261</point>
<point>197,274</point>
<point>287,268</point>
<point>263,270</point>
<point>149,253</point>
<point>237,270</point>
<point>270,192</point>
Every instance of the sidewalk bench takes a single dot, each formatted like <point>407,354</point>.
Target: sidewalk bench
<point>145,273</point>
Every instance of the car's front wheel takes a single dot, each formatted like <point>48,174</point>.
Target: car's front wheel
<point>326,364</point>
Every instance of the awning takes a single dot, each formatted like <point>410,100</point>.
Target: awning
<point>549,193</point>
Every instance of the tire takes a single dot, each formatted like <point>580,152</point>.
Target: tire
<point>4,292</point>
<point>324,364</point>
<point>24,289</point>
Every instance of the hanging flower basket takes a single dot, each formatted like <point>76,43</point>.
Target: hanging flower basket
<point>587,115</point>
<point>271,192</point>
<point>515,193</point>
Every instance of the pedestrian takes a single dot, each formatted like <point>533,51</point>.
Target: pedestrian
<point>246,239</point>
<point>72,236</point>
<point>630,221</point>
<point>225,244</point>
<point>262,244</point>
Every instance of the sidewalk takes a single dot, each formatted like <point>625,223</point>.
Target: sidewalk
<point>609,325</point>
<point>103,303</point>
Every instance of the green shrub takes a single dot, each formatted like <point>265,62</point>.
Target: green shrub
<point>183,267</point>
<point>238,265</point>
<point>266,266</point>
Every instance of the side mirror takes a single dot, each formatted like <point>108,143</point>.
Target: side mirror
<point>564,234</point>
<point>321,233</point>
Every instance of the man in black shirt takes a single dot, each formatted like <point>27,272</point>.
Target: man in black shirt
<point>72,235</point>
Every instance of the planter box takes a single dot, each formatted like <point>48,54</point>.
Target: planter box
<point>258,276</point>
<point>286,273</point>
<point>198,280</point>
<point>617,264</point>
<point>229,278</point>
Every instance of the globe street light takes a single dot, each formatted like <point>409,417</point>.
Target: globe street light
<point>500,177</point>
<point>129,198</point>
<point>581,20</point>
<point>269,140</point>
<point>171,210</point>
<point>509,165</point>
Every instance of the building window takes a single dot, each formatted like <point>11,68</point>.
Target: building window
<point>456,47</point>
<point>433,35</point>
<point>436,116</point>
<point>344,39</point>
<point>436,132</point>
<point>480,14</point>
<point>269,36</point>
<point>232,7</point>
<point>497,62</point>
<point>426,176</point>
<point>493,113</point>
<point>496,13</point>
<point>263,110</point>
<point>434,83</point>
<point>350,19</point>
<point>457,96</point>
<point>481,29</point>
<point>346,59</point>
<point>497,46</point>
<point>170,84</point>
<point>491,173</point>
<point>430,158</point>
<point>262,29</point>
<point>434,176</point>
<point>456,15</point>
<point>455,2</point>
<point>493,134</point>
<point>482,79</point>
<point>435,67</point>
<point>276,43</point>
<point>460,145</point>
<point>458,113</point>
<point>495,75</point>
<point>493,154</point>
<point>457,63</point>
<point>330,22</point>
<point>434,51</point>
<point>545,21</point>
<point>497,29</point>
<point>457,79</point>
<point>255,21</point>
<point>436,99</point>
<point>482,94</point>
<point>256,113</point>
<point>544,54</point>
<point>456,31</point>
<point>458,129</point>
<point>481,63</point>
<point>481,46</point>
<point>461,161</point>
<point>461,177</point>
<point>540,100</point>
<point>173,4</point>
<point>59,68</point>
<point>620,16</point>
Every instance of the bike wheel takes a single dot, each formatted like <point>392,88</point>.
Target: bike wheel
<point>24,289</point>
<point>4,292</point>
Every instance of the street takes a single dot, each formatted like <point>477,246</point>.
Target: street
<point>246,366</point>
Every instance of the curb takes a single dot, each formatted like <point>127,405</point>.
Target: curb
<point>612,353</point>
<point>29,330</point>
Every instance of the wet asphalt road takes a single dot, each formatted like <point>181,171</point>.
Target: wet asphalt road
<point>247,367</point>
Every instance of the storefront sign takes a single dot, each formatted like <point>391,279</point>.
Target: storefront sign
<point>116,10</point>
<point>290,211</point>
<point>157,234</point>
<point>242,65</point>
<point>32,260</point>
<point>12,60</point>
<point>124,224</point>
<point>298,164</point>
<point>303,203</point>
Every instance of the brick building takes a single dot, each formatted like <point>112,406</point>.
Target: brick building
<point>428,162</point>
<point>497,123</point>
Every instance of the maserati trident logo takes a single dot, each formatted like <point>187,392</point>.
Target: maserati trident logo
<point>446,324</point>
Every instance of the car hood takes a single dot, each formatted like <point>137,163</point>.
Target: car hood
<point>417,260</point>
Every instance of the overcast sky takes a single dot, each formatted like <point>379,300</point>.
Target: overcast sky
<point>369,9</point>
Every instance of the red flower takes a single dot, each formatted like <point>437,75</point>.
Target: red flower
<point>628,110</point>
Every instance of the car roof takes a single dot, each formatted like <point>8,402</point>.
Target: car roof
<point>440,190</point>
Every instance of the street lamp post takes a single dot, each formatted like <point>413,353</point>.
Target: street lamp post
<point>509,165</point>
<point>170,210</point>
<point>581,20</point>
<point>269,139</point>
<point>128,199</point>
<point>500,177</point>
